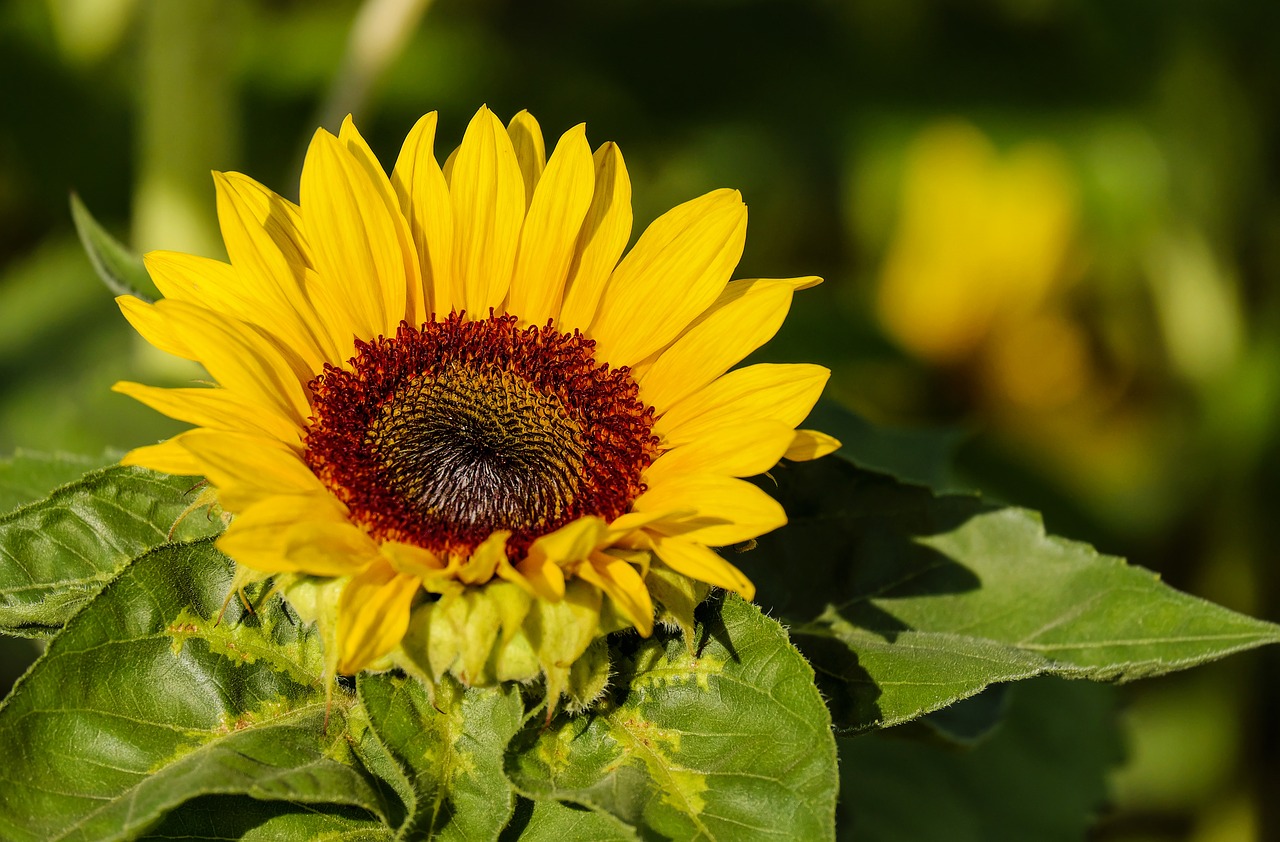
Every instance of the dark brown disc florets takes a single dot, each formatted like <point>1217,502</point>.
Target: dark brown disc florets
<point>448,432</point>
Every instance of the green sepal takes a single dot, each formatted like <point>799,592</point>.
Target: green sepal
<point>676,596</point>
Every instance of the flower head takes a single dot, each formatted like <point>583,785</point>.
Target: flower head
<point>463,426</point>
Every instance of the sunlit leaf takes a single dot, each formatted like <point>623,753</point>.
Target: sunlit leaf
<point>921,600</point>
<point>449,752</point>
<point>733,743</point>
<point>58,552</point>
<point>145,701</point>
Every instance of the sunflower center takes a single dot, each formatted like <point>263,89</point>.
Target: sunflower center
<point>447,432</point>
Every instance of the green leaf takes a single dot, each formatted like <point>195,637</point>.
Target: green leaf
<point>118,267</point>
<point>218,818</point>
<point>29,475</point>
<point>145,701</point>
<point>922,600</point>
<point>1041,775</point>
<point>58,552</point>
<point>733,743</point>
<point>449,752</point>
<point>556,821</point>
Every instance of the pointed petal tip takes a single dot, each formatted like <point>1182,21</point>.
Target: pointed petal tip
<point>808,445</point>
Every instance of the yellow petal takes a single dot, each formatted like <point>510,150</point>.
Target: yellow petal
<point>414,306</point>
<point>626,524</point>
<point>620,581</point>
<point>410,558</point>
<point>322,545</point>
<point>604,235</point>
<point>447,167</point>
<point>338,316</point>
<point>263,213</point>
<point>811,444</point>
<point>246,469</point>
<point>484,559</point>
<point>424,199</point>
<point>507,571</point>
<point>570,543</point>
<point>766,391</point>
<point>550,231</point>
<point>263,235</point>
<point>676,270</point>
<point>355,237</point>
<point>373,615</point>
<point>200,280</point>
<point>167,457</point>
<point>745,316</point>
<point>259,535</point>
<point>152,326</point>
<point>727,510</point>
<point>544,576</point>
<point>241,358</point>
<point>738,450</point>
<point>215,408</point>
<point>531,151</point>
<point>701,563</point>
<point>488,210</point>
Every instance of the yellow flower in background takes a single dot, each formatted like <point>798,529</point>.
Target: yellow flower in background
<point>976,266</point>
<point>447,382</point>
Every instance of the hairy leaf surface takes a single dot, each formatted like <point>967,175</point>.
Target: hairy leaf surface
<point>145,701</point>
<point>58,552</point>
<point>914,601</point>
<point>731,743</point>
<point>449,752</point>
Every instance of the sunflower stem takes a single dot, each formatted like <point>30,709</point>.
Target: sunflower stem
<point>187,122</point>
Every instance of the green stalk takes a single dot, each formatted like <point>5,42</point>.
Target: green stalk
<point>187,122</point>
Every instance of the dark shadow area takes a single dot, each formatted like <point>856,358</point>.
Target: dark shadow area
<point>922,456</point>
<point>969,721</point>
<point>853,536</point>
<point>520,819</point>
<point>850,692</point>
<point>711,626</point>
<point>1038,773</point>
<point>853,541</point>
<point>233,816</point>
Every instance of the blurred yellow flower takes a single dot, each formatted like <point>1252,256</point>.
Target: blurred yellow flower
<point>443,400</point>
<point>979,251</point>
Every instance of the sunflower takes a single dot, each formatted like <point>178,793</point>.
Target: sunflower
<point>455,420</point>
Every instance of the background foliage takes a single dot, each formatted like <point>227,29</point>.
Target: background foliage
<point>1093,182</point>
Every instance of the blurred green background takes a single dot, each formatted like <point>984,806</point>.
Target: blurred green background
<point>1050,230</point>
